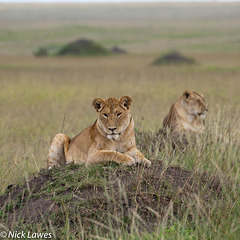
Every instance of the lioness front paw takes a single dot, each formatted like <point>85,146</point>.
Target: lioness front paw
<point>144,161</point>
<point>147,162</point>
<point>131,161</point>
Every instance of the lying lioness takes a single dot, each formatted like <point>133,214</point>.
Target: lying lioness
<point>110,138</point>
<point>187,114</point>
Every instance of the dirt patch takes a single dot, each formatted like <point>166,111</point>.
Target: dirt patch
<point>173,58</point>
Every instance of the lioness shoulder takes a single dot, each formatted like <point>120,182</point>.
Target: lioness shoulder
<point>110,138</point>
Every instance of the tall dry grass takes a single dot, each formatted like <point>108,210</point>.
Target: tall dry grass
<point>37,94</point>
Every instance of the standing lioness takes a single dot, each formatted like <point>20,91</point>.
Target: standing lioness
<point>110,138</point>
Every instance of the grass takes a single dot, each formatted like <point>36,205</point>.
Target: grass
<point>36,97</point>
<point>40,97</point>
<point>115,202</point>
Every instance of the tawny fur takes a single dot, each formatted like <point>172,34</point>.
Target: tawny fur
<point>110,138</point>
<point>187,114</point>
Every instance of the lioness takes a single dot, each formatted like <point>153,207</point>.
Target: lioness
<point>110,138</point>
<point>187,114</point>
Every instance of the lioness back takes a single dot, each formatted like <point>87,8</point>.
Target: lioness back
<point>110,138</point>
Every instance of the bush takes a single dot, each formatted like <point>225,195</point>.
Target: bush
<point>41,52</point>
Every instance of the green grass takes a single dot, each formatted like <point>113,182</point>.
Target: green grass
<point>130,204</point>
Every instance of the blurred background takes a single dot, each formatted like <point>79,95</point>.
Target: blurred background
<point>56,57</point>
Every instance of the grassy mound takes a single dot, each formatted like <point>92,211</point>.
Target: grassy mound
<point>106,200</point>
<point>83,47</point>
<point>109,201</point>
<point>173,58</point>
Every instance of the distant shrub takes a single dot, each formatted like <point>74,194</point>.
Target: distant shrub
<point>118,50</point>
<point>41,52</point>
<point>83,47</point>
<point>173,58</point>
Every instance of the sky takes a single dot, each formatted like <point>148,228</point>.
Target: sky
<point>112,1</point>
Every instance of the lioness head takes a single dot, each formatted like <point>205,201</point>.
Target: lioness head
<point>194,103</point>
<point>113,115</point>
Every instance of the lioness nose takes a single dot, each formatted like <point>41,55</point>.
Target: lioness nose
<point>112,128</point>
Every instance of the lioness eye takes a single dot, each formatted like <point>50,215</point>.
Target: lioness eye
<point>119,114</point>
<point>105,115</point>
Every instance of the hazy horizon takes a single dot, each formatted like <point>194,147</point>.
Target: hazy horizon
<point>108,1</point>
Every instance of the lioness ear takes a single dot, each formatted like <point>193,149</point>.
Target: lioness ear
<point>187,93</point>
<point>125,101</point>
<point>98,104</point>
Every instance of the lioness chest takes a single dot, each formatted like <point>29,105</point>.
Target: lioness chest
<point>195,125</point>
<point>121,145</point>
<point>87,142</point>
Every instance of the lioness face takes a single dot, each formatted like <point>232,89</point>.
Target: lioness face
<point>194,103</point>
<point>113,115</point>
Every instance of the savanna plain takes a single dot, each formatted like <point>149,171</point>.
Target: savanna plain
<point>42,96</point>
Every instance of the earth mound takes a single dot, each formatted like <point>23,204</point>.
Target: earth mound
<point>173,58</point>
<point>83,47</point>
<point>101,199</point>
<point>117,49</point>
